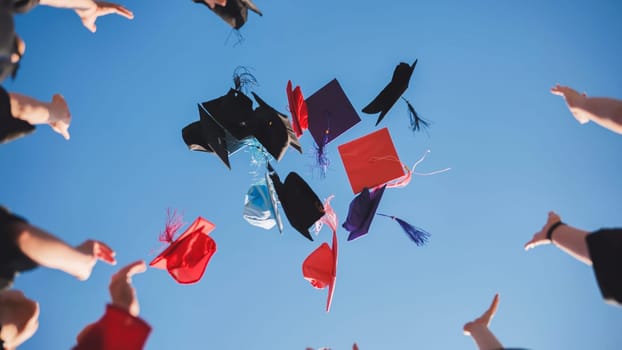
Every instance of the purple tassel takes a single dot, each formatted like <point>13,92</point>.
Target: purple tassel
<point>321,159</point>
<point>417,235</point>
<point>416,122</point>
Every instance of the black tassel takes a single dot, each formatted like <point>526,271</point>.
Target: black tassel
<point>416,122</point>
<point>243,78</point>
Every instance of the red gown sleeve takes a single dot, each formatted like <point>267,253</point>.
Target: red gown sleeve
<point>116,330</point>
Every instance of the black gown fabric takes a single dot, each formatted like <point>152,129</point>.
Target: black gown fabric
<point>10,127</point>
<point>12,260</point>
<point>605,247</point>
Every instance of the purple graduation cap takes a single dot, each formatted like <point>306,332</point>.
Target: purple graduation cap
<point>330,115</point>
<point>361,212</point>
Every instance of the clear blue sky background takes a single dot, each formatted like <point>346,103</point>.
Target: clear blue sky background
<point>483,79</point>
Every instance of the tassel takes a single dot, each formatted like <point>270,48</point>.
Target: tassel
<point>329,218</point>
<point>321,159</point>
<point>173,223</point>
<point>417,235</point>
<point>243,78</point>
<point>404,180</point>
<point>415,121</point>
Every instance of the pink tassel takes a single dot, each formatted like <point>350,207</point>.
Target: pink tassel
<point>173,223</point>
<point>329,218</point>
<point>403,181</point>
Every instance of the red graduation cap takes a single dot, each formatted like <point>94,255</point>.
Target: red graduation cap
<point>187,257</point>
<point>320,268</point>
<point>298,108</point>
<point>371,160</point>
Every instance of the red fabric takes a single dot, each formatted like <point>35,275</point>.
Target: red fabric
<point>187,257</point>
<point>116,330</point>
<point>320,268</point>
<point>298,108</point>
<point>371,160</point>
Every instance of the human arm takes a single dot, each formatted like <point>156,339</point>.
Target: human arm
<point>567,238</point>
<point>120,327</point>
<point>55,113</point>
<point>89,10</point>
<point>49,251</point>
<point>606,112</point>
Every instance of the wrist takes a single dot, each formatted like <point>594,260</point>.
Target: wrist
<point>551,230</point>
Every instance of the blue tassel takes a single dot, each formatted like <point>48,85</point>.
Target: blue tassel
<point>243,79</point>
<point>417,235</point>
<point>416,122</point>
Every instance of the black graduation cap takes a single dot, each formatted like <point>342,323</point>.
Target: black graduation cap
<point>234,12</point>
<point>207,135</point>
<point>273,130</point>
<point>233,112</point>
<point>392,92</point>
<point>300,204</point>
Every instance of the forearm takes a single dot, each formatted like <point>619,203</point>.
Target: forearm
<point>70,4</point>
<point>29,109</point>
<point>484,338</point>
<point>606,112</point>
<point>49,251</point>
<point>572,241</point>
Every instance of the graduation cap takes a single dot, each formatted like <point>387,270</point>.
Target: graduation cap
<point>207,135</point>
<point>371,160</point>
<point>330,114</point>
<point>11,128</point>
<point>260,207</point>
<point>392,92</point>
<point>233,112</point>
<point>361,212</point>
<point>320,268</point>
<point>298,108</point>
<point>186,258</point>
<point>273,130</point>
<point>301,205</point>
<point>234,12</point>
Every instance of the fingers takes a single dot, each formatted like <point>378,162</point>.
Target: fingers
<point>103,252</point>
<point>130,270</point>
<point>107,8</point>
<point>494,305</point>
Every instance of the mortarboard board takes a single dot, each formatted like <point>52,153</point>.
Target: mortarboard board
<point>300,204</point>
<point>207,135</point>
<point>234,12</point>
<point>260,207</point>
<point>187,257</point>
<point>233,112</point>
<point>298,108</point>
<point>10,127</point>
<point>330,113</point>
<point>320,268</point>
<point>273,130</point>
<point>361,212</point>
<point>371,160</point>
<point>392,92</point>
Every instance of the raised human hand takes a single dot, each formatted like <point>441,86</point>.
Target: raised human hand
<point>574,100</point>
<point>122,293</point>
<point>539,238</point>
<point>60,117</point>
<point>485,318</point>
<point>101,8</point>
<point>95,250</point>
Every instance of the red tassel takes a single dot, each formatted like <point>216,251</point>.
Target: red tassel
<point>173,223</point>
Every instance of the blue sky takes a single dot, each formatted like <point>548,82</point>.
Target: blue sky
<point>483,78</point>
